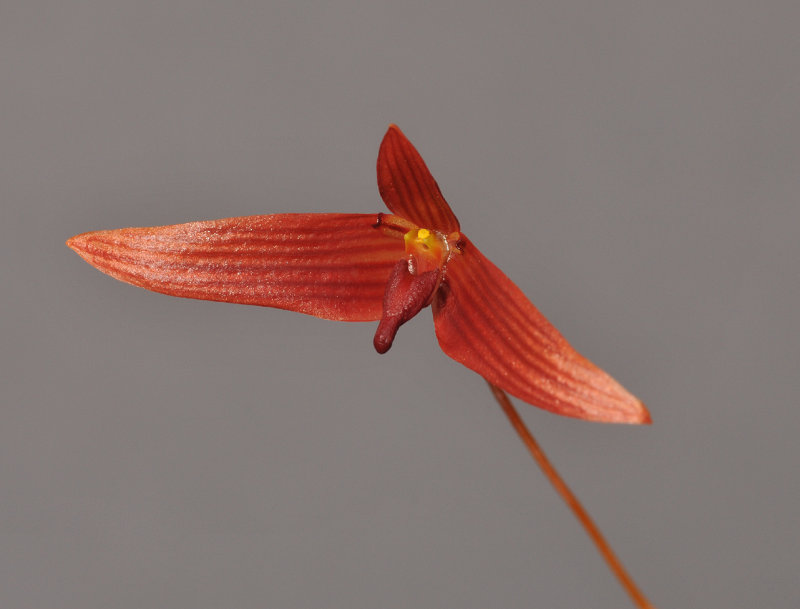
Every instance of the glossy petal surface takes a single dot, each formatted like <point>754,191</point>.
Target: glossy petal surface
<point>333,266</point>
<point>408,188</point>
<point>484,321</point>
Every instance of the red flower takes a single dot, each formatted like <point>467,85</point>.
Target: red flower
<point>367,267</point>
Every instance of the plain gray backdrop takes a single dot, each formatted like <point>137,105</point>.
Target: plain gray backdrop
<point>632,166</point>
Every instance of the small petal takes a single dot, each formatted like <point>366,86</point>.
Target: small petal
<point>408,188</point>
<point>484,321</point>
<point>333,266</point>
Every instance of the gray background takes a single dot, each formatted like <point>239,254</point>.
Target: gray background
<point>632,166</point>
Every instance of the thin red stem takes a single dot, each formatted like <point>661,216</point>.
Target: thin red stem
<point>571,500</point>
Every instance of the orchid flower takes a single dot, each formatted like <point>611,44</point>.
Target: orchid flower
<point>368,267</point>
<point>384,267</point>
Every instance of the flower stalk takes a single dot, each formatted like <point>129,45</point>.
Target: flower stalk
<point>570,499</point>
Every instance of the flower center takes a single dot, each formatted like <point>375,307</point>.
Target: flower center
<point>427,250</point>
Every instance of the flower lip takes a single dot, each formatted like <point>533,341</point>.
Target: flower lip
<point>408,291</point>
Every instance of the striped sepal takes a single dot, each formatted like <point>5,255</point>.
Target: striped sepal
<point>333,266</point>
<point>485,322</point>
<point>408,188</point>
